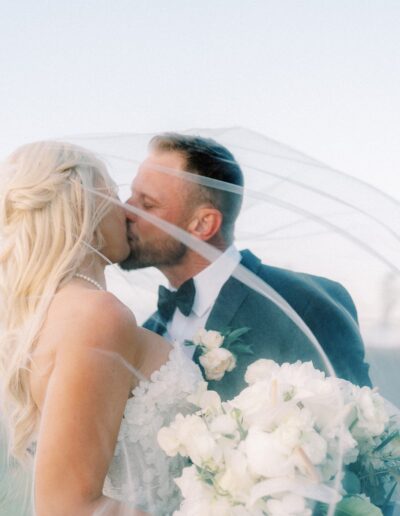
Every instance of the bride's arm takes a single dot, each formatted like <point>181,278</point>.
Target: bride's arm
<point>82,411</point>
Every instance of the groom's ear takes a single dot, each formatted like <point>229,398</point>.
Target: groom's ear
<point>205,223</point>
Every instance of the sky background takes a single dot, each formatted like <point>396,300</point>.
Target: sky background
<point>321,76</point>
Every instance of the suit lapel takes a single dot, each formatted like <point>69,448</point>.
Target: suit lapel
<point>232,296</point>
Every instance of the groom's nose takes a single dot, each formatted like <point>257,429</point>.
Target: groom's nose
<point>130,214</point>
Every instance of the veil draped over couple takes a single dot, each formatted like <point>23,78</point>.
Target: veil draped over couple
<point>91,388</point>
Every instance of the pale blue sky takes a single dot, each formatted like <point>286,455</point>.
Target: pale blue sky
<point>322,76</point>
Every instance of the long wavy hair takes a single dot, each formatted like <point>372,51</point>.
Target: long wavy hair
<point>49,224</point>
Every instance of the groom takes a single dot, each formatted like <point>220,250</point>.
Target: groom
<point>207,295</point>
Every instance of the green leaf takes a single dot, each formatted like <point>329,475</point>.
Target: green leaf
<point>320,509</point>
<point>356,506</point>
<point>388,439</point>
<point>351,483</point>
<point>242,349</point>
<point>390,494</point>
<point>235,335</point>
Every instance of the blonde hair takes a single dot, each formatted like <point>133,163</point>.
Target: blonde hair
<point>49,212</point>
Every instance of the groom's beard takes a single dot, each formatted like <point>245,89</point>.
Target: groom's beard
<point>153,254</point>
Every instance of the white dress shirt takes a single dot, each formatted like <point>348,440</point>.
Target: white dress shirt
<point>208,284</point>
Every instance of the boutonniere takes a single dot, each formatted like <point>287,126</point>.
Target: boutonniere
<point>219,351</point>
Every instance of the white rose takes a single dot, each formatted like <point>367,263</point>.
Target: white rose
<point>212,339</point>
<point>216,362</point>
<point>199,335</point>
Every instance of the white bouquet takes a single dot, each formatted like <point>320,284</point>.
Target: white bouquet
<point>278,447</point>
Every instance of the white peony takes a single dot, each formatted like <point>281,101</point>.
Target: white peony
<point>277,444</point>
<point>371,413</point>
<point>262,369</point>
<point>217,362</point>
<point>267,455</point>
<point>289,433</point>
<point>254,403</point>
<point>314,446</point>
<point>261,404</point>
<point>326,403</point>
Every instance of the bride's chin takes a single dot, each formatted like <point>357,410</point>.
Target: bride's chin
<point>125,255</point>
<point>116,255</point>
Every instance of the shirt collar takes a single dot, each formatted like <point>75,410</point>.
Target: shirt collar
<point>210,280</point>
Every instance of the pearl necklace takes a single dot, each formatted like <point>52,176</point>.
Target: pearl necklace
<point>90,280</point>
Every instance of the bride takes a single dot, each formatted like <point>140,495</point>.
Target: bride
<point>77,372</point>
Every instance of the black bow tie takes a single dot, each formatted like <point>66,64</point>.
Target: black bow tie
<point>183,299</point>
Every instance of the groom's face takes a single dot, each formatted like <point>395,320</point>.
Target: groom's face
<point>166,197</point>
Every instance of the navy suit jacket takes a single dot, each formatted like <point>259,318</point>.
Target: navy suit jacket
<point>324,305</point>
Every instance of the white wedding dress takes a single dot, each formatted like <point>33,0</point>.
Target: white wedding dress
<point>141,474</point>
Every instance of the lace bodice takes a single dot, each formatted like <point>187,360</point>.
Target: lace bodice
<point>140,473</point>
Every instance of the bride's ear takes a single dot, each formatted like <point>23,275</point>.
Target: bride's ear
<point>205,223</point>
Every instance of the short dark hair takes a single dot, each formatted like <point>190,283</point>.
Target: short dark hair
<point>208,158</point>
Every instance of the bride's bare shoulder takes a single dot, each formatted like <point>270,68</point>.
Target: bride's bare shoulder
<point>79,322</point>
<point>90,317</point>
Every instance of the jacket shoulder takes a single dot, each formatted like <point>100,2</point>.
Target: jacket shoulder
<point>300,287</point>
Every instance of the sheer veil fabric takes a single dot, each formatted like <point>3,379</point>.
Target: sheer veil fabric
<point>298,215</point>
